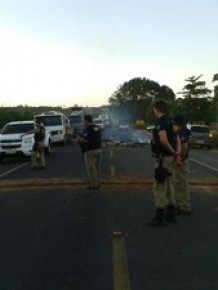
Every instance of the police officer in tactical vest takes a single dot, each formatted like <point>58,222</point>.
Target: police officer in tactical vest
<point>90,143</point>
<point>166,150</point>
<point>38,154</point>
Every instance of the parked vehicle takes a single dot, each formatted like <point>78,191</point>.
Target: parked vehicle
<point>56,123</point>
<point>105,118</point>
<point>12,144</point>
<point>200,136</point>
<point>124,126</point>
<point>77,121</point>
<point>150,128</point>
<point>99,122</point>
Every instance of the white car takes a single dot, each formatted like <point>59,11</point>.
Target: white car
<point>99,122</point>
<point>124,126</point>
<point>11,142</point>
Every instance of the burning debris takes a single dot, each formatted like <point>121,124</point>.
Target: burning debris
<point>124,138</point>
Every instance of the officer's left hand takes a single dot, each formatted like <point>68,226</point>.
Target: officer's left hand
<point>178,160</point>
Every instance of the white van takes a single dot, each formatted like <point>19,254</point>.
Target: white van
<point>57,124</point>
<point>77,121</point>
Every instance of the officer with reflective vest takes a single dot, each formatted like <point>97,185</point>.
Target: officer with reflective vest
<point>38,153</point>
<point>166,150</point>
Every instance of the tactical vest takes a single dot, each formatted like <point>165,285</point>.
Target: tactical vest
<point>40,136</point>
<point>95,138</point>
<point>94,133</point>
<point>157,148</point>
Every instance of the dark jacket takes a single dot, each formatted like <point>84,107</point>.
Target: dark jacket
<point>163,124</point>
<point>93,135</point>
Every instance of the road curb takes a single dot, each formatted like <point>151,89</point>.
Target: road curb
<point>54,182</point>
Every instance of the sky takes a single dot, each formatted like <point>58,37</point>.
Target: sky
<point>66,52</point>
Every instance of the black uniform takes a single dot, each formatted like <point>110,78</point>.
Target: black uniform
<point>163,184</point>
<point>92,152</point>
<point>163,124</point>
<point>93,135</point>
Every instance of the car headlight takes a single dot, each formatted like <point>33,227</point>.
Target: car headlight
<point>60,132</point>
<point>28,141</point>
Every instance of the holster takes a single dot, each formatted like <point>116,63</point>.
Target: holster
<point>161,173</point>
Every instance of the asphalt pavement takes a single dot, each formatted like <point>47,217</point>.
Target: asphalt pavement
<point>119,164</point>
<point>59,239</point>
<point>62,238</point>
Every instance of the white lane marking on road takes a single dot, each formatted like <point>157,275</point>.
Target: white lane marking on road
<point>204,164</point>
<point>13,169</point>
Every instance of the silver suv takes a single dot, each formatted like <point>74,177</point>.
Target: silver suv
<point>200,136</point>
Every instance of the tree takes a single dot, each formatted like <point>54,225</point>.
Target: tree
<point>133,99</point>
<point>215,79</point>
<point>141,89</point>
<point>196,105</point>
<point>195,88</point>
<point>196,109</point>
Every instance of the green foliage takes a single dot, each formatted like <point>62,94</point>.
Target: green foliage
<point>141,89</point>
<point>196,109</point>
<point>13,114</point>
<point>196,105</point>
<point>195,88</point>
<point>22,113</point>
<point>133,100</point>
<point>215,79</point>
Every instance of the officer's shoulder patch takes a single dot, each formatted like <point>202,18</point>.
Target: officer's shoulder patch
<point>175,129</point>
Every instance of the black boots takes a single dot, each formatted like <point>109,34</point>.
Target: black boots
<point>171,214</point>
<point>159,219</point>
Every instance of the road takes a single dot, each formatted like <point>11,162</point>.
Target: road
<point>118,163</point>
<point>69,238</point>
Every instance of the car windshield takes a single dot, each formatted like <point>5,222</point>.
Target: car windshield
<point>50,120</point>
<point>17,128</point>
<point>76,119</point>
<point>200,129</point>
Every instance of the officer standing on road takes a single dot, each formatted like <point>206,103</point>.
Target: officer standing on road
<point>90,143</point>
<point>166,150</point>
<point>181,171</point>
<point>38,153</point>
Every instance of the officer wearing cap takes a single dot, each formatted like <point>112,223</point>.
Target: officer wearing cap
<point>181,171</point>
<point>165,149</point>
<point>90,143</point>
<point>38,153</point>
